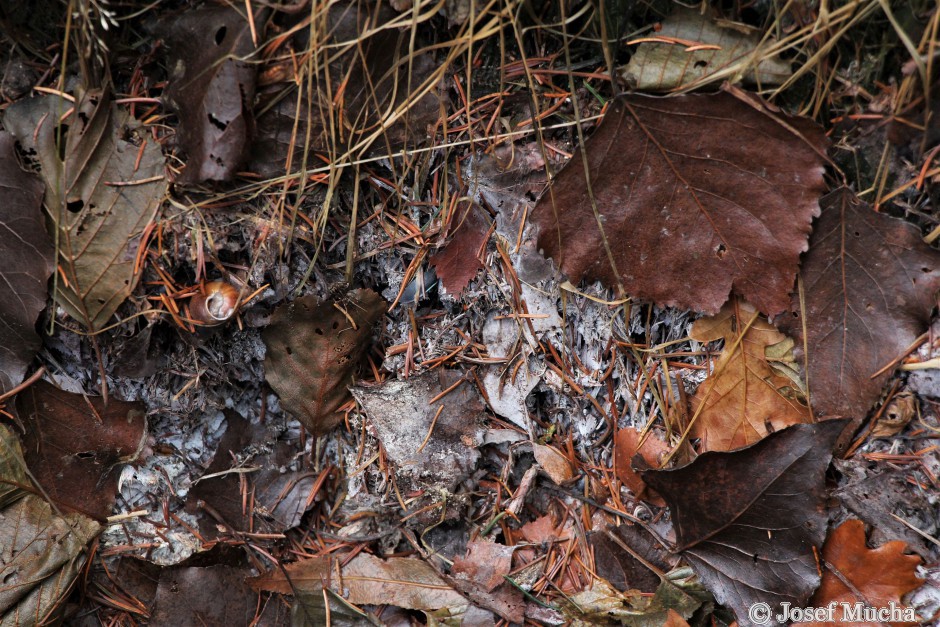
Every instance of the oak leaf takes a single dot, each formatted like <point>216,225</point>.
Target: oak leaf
<point>748,521</point>
<point>744,398</point>
<point>695,196</point>
<point>869,284</point>
<point>102,188</point>
<point>28,260</point>
<point>878,577</point>
<point>313,352</point>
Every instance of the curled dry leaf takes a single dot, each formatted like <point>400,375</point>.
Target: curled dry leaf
<point>212,88</point>
<point>744,398</point>
<point>695,196</point>
<point>748,521</point>
<point>100,196</point>
<point>870,283</point>
<point>76,445</point>
<point>314,350</point>
<point>877,577</point>
<point>723,50</point>
<point>553,463</point>
<point>400,581</point>
<point>28,260</point>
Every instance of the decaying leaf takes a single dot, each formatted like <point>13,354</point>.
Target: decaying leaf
<point>314,351</point>
<point>380,105</point>
<point>877,577</point>
<point>721,50</point>
<point>626,570</point>
<point>75,445</point>
<point>28,260</point>
<point>486,564</point>
<point>41,553</point>
<point>697,196</point>
<point>555,465</point>
<point>896,416</point>
<point>432,444</point>
<point>743,399</point>
<point>214,595</point>
<point>869,283</point>
<point>459,261</point>
<point>626,445</point>
<point>748,520</point>
<point>100,196</point>
<point>400,581</point>
<point>211,86</point>
<point>281,495</point>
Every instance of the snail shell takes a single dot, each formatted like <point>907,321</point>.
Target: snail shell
<point>216,303</point>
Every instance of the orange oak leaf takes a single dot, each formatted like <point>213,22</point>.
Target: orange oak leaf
<point>744,398</point>
<point>877,577</point>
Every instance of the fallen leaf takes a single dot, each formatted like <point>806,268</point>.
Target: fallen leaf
<point>211,86</point>
<point>748,520</point>
<point>214,595</point>
<point>29,260</point>
<point>722,50</point>
<point>459,261</point>
<point>41,553</point>
<point>626,443</point>
<point>896,416</point>
<point>869,282</point>
<point>553,463</point>
<point>400,581</point>
<point>75,445</point>
<point>313,352</point>
<point>433,444</point>
<point>622,569</point>
<point>486,564</point>
<point>100,196</point>
<point>881,576</point>
<point>281,495</point>
<point>698,195</point>
<point>743,399</point>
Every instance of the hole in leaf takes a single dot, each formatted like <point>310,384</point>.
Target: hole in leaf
<point>857,234</point>
<point>318,331</point>
<point>216,122</point>
<point>721,250</point>
<point>289,350</point>
<point>61,131</point>
<point>85,455</point>
<point>700,64</point>
<point>220,35</point>
<point>75,206</point>
<point>335,325</point>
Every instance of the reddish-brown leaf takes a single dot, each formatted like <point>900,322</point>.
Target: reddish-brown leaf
<point>486,563</point>
<point>748,521</point>
<point>626,443</point>
<point>869,283</point>
<point>76,445</point>
<point>314,351</point>
<point>28,260</point>
<point>880,576</point>
<point>697,195</point>
<point>458,262</point>
<point>743,396</point>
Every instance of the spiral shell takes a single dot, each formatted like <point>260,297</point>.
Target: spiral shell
<point>215,303</point>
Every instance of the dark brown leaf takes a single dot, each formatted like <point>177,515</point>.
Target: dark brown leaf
<point>878,577</point>
<point>28,261</point>
<point>869,283</point>
<point>314,351</point>
<point>212,88</point>
<point>216,595</point>
<point>280,498</point>
<point>620,567</point>
<point>100,197</point>
<point>459,261</point>
<point>75,445</point>
<point>748,520</point>
<point>698,195</point>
